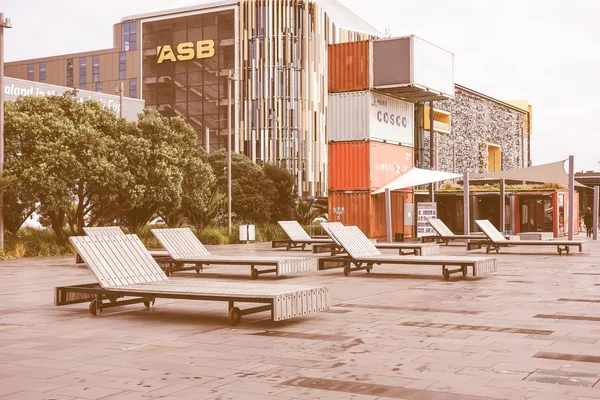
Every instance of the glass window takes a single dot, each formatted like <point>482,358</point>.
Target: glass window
<point>133,87</point>
<point>98,86</point>
<point>96,69</point>
<point>43,72</point>
<point>128,36</point>
<point>82,72</point>
<point>70,72</point>
<point>122,65</point>
<point>30,72</point>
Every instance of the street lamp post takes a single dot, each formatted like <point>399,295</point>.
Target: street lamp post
<point>231,77</point>
<point>120,90</point>
<point>4,23</point>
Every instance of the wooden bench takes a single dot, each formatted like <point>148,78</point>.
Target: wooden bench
<point>158,255</point>
<point>298,238</point>
<point>188,253</point>
<point>362,255</point>
<point>495,240</point>
<point>417,249</point>
<point>445,235</point>
<point>125,269</point>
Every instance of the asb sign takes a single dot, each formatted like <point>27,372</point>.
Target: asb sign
<point>185,51</point>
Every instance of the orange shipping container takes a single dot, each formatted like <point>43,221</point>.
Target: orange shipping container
<point>348,66</point>
<point>367,211</point>
<point>366,165</point>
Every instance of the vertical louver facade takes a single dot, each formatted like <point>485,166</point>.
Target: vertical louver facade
<point>283,85</point>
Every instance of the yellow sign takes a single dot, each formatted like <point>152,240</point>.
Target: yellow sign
<point>186,51</point>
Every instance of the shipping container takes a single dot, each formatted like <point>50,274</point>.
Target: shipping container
<point>349,66</point>
<point>407,68</point>
<point>367,115</point>
<point>401,65</point>
<point>366,165</point>
<point>367,211</point>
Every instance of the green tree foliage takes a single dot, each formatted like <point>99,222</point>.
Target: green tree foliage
<point>283,184</point>
<point>252,193</point>
<point>167,168</point>
<point>63,154</point>
<point>83,166</point>
<point>307,210</point>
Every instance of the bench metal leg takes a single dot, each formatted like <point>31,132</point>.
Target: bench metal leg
<point>254,272</point>
<point>447,272</point>
<point>97,305</point>
<point>565,249</point>
<point>235,314</point>
<point>358,267</point>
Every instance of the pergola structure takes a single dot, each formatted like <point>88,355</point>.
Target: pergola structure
<point>556,172</point>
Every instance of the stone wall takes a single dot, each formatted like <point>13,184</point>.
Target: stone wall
<point>477,120</point>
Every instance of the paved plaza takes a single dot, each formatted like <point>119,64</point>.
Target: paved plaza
<point>530,331</point>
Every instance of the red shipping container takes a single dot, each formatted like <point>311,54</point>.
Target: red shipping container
<point>348,66</point>
<point>366,165</point>
<point>367,211</point>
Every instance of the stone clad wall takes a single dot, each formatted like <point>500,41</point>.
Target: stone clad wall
<point>477,120</point>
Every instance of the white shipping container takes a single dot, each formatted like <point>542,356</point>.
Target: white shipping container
<point>368,115</point>
<point>433,67</point>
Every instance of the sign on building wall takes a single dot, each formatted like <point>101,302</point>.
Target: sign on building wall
<point>369,115</point>
<point>186,51</point>
<point>13,88</point>
<point>424,212</point>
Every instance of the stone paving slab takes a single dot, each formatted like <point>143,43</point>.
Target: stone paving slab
<point>399,332</point>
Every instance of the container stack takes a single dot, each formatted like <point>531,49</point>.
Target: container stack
<point>370,143</point>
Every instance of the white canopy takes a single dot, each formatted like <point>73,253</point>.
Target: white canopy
<point>556,172</point>
<point>415,177</point>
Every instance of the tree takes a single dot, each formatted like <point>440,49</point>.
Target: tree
<point>198,200</point>
<point>308,209</point>
<point>283,184</point>
<point>252,194</point>
<point>17,208</point>
<point>158,150</point>
<point>62,153</point>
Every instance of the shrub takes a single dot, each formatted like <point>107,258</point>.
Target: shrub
<point>214,235</point>
<point>31,242</point>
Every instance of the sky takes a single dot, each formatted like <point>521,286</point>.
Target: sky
<point>543,51</point>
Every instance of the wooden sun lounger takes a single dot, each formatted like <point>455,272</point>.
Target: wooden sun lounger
<point>445,235</point>
<point>188,253</point>
<point>495,240</point>
<point>298,238</point>
<point>115,231</point>
<point>424,249</point>
<point>124,268</point>
<point>363,255</point>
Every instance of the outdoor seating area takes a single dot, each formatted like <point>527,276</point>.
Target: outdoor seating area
<point>447,334</point>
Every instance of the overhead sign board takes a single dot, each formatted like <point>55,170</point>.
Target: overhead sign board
<point>13,88</point>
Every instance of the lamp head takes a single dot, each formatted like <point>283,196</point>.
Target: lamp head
<point>6,23</point>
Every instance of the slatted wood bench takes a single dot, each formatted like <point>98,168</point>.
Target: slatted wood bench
<point>298,238</point>
<point>116,231</point>
<point>188,253</point>
<point>495,240</point>
<point>422,249</point>
<point>445,235</point>
<point>127,274</point>
<point>362,255</point>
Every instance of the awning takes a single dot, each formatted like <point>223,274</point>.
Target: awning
<point>415,177</point>
<point>556,172</point>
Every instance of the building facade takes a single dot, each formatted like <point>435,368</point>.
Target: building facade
<point>182,61</point>
<point>482,134</point>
